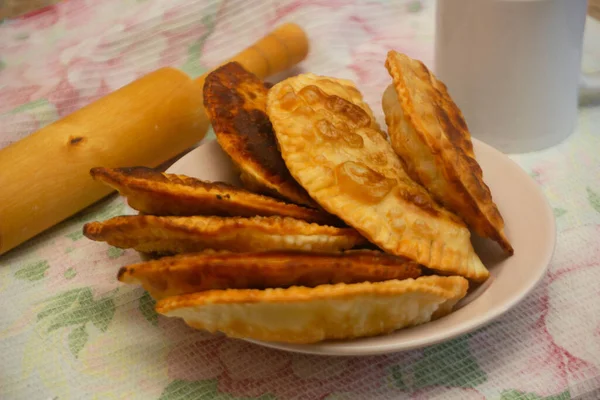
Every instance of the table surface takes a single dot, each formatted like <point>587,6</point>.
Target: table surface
<point>69,330</point>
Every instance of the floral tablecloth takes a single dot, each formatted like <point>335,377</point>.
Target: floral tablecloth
<point>69,330</point>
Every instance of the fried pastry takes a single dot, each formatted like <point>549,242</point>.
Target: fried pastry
<point>151,234</point>
<point>334,151</point>
<point>308,315</point>
<point>428,132</point>
<point>235,101</point>
<point>345,89</point>
<point>156,193</point>
<point>173,276</point>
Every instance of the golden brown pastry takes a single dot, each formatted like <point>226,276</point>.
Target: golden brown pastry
<point>190,273</point>
<point>151,234</point>
<point>429,133</point>
<point>333,149</point>
<point>308,315</point>
<point>235,101</point>
<point>156,193</point>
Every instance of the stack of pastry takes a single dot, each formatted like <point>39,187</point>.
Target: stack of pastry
<point>338,232</point>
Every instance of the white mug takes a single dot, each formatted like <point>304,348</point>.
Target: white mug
<point>514,68</point>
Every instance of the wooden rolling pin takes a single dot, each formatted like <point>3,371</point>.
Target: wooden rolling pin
<point>44,178</point>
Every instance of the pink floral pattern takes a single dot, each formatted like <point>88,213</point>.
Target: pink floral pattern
<point>237,367</point>
<point>57,60</point>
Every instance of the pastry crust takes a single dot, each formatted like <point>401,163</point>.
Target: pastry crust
<point>308,315</point>
<point>428,132</point>
<point>333,149</point>
<point>156,193</point>
<point>151,234</point>
<point>185,274</point>
<point>235,101</point>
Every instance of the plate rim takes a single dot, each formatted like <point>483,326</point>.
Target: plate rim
<point>450,333</point>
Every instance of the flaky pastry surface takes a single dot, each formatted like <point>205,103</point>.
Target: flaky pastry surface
<point>173,276</point>
<point>152,234</point>
<point>333,149</point>
<point>428,131</point>
<point>156,193</point>
<point>235,101</point>
<point>308,315</point>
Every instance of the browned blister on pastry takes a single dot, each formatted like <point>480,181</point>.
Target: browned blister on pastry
<point>308,315</point>
<point>156,193</point>
<point>152,234</point>
<point>235,101</point>
<point>333,149</point>
<point>173,276</point>
<point>429,133</point>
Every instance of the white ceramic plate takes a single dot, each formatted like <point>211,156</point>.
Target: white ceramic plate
<point>529,225</point>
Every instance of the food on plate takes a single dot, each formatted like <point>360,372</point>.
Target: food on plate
<point>428,132</point>
<point>152,234</point>
<point>237,261</point>
<point>308,315</point>
<point>235,101</point>
<point>189,273</point>
<point>156,193</point>
<point>333,148</point>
